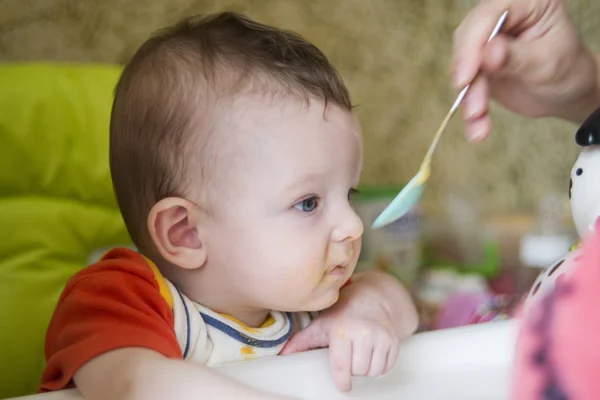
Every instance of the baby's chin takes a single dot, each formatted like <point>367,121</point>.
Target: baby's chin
<point>322,301</point>
<point>325,295</point>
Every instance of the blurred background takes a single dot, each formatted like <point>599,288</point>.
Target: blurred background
<point>483,204</point>
<point>393,54</point>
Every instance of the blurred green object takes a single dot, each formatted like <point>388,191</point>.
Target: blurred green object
<point>488,267</point>
<point>57,203</point>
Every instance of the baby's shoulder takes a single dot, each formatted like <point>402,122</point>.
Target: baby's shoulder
<point>119,267</point>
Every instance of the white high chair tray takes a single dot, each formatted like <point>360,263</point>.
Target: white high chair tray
<point>467,363</point>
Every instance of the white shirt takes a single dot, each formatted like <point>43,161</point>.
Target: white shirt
<point>210,338</point>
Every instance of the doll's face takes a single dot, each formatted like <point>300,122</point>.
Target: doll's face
<point>584,190</point>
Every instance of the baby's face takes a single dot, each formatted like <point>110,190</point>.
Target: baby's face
<point>287,236</point>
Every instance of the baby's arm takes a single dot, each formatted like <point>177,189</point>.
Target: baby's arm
<point>112,336</point>
<point>386,291</point>
<point>137,373</point>
<point>363,329</point>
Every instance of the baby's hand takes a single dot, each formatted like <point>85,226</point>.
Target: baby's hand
<point>360,347</point>
<point>360,334</point>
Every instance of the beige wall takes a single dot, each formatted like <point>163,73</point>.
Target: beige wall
<point>394,56</point>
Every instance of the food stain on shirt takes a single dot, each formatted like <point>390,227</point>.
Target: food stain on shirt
<point>247,352</point>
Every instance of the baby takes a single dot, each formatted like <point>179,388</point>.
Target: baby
<point>234,154</point>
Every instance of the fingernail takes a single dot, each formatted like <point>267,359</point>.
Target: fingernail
<point>459,76</point>
<point>476,135</point>
<point>468,109</point>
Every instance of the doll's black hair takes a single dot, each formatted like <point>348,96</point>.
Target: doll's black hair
<point>588,133</point>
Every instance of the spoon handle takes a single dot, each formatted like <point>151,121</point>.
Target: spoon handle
<point>457,102</point>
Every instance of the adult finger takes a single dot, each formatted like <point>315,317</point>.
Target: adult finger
<point>476,101</point>
<point>474,31</point>
<point>509,57</point>
<point>495,54</point>
<point>479,129</point>
<point>475,109</point>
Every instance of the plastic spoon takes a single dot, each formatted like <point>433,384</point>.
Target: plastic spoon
<point>411,193</point>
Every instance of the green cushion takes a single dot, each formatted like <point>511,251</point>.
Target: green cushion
<point>56,200</point>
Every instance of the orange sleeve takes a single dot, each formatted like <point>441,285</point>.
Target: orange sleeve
<point>113,304</point>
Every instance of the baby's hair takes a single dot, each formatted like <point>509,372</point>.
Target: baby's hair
<point>169,94</point>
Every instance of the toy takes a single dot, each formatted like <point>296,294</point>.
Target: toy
<point>584,195</point>
<point>557,354</point>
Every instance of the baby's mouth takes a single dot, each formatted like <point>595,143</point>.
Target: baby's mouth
<point>340,269</point>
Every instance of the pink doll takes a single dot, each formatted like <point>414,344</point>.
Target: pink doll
<point>557,354</point>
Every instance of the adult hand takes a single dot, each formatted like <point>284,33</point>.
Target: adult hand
<point>537,66</point>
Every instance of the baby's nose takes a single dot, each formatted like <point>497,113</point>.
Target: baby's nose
<point>349,228</point>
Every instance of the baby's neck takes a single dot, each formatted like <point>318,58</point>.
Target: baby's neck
<point>252,320</point>
<point>210,294</point>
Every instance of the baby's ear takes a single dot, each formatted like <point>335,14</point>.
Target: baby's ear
<point>173,226</point>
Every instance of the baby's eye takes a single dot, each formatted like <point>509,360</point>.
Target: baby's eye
<point>307,205</point>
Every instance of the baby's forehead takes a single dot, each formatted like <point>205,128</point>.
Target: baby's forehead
<point>264,154</point>
<point>283,112</point>
<point>262,129</point>
<point>254,127</point>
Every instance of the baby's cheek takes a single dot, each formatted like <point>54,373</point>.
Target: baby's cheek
<point>357,247</point>
<point>298,282</point>
<point>313,275</point>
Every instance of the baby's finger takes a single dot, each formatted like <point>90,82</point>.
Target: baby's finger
<point>308,338</point>
<point>392,357</point>
<point>361,359</point>
<point>378,361</point>
<point>340,357</point>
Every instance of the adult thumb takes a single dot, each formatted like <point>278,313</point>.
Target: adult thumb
<point>509,57</point>
<point>311,337</point>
